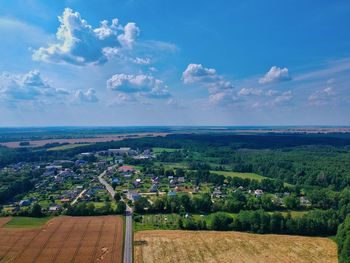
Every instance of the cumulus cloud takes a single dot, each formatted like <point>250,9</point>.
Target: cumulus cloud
<point>87,96</point>
<point>131,32</point>
<point>27,87</point>
<point>275,74</point>
<point>195,73</point>
<point>141,85</point>
<point>79,43</point>
<point>221,91</point>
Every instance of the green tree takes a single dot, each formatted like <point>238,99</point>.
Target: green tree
<point>36,211</point>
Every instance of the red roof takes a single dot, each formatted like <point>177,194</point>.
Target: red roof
<point>126,168</point>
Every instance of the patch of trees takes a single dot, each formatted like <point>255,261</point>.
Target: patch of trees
<point>14,184</point>
<point>314,223</point>
<point>343,241</point>
<point>89,209</point>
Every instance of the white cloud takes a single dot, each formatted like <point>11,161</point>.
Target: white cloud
<point>31,89</point>
<point>28,87</point>
<point>284,97</point>
<point>79,43</point>
<point>142,61</point>
<point>141,85</point>
<point>275,74</point>
<point>250,92</point>
<point>88,96</point>
<point>105,31</point>
<point>131,32</point>
<point>195,73</point>
<point>221,91</point>
<point>322,97</point>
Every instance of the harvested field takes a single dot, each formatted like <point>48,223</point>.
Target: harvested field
<point>102,138</point>
<point>204,246</point>
<point>65,239</point>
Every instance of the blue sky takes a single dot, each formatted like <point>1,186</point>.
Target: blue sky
<point>157,62</point>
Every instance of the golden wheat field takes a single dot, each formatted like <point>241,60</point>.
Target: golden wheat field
<point>205,246</point>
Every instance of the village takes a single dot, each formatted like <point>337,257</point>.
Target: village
<point>66,183</point>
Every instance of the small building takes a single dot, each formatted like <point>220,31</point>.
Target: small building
<point>55,208</point>
<point>25,202</point>
<point>216,193</point>
<point>65,200</point>
<point>181,179</point>
<point>304,201</point>
<point>126,169</point>
<point>258,192</point>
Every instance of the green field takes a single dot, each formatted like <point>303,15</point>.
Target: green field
<point>26,222</point>
<point>68,146</point>
<point>251,176</point>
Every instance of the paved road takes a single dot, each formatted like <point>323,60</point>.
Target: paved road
<point>109,188</point>
<point>128,220</point>
<point>79,196</point>
<point>128,236</point>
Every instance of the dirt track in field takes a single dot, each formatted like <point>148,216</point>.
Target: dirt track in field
<point>222,247</point>
<point>65,239</point>
<point>4,220</point>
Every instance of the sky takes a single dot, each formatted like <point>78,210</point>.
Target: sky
<point>156,62</point>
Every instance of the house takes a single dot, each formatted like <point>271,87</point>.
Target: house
<point>155,180</point>
<point>65,200</point>
<point>304,201</point>
<point>258,192</point>
<point>217,193</point>
<point>55,208</point>
<point>172,183</point>
<point>66,173</point>
<point>122,151</point>
<point>126,169</point>
<point>181,179</point>
<point>25,202</point>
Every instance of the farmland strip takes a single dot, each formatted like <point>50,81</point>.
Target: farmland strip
<point>97,242</point>
<point>80,242</point>
<point>114,241</point>
<point>66,237</point>
<point>28,244</point>
<point>47,241</point>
